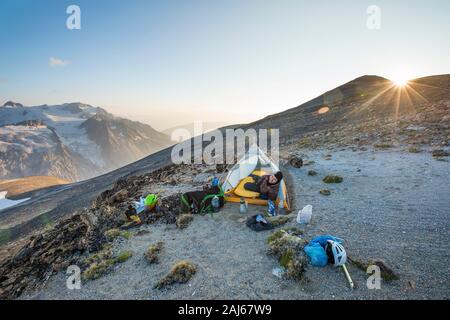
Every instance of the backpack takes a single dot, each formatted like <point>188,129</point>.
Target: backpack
<point>200,201</point>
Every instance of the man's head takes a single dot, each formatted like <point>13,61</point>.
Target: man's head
<point>275,178</point>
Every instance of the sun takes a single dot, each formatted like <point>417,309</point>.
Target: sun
<point>400,80</point>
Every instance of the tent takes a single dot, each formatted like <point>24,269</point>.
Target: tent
<point>256,162</point>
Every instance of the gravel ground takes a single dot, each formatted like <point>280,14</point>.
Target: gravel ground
<point>391,205</point>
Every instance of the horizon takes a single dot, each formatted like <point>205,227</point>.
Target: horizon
<point>164,64</point>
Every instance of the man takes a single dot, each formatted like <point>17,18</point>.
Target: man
<point>267,185</point>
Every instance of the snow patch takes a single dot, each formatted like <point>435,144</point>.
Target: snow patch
<point>6,203</point>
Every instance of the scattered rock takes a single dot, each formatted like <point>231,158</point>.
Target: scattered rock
<point>439,153</point>
<point>296,162</point>
<point>183,220</point>
<point>152,252</point>
<point>333,179</point>
<point>181,272</point>
<point>327,157</point>
<point>119,196</point>
<point>325,192</point>
<point>312,173</point>
<point>141,233</point>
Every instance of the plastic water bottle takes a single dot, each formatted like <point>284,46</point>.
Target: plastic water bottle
<point>242,206</point>
<point>281,209</point>
<point>304,215</point>
<point>215,182</point>
<point>271,208</point>
<point>215,204</point>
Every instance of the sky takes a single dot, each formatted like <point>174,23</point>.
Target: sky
<point>168,63</point>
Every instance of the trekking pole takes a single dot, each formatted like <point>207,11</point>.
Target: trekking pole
<point>347,275</point>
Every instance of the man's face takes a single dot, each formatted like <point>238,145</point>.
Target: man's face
<point>272,179</point>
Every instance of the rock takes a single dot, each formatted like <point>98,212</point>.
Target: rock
<point>325,192</point>
<point>312,173</point>
<point>279,220</point>
<point>152,252</point>
<point>308,162</point>
<point>296,162</point>
<point>181,272</point>
<point>119,196</point>
<point>183,220</point>
<point>111,234</point>
<point>333,179</point>
<point>413,149</point>
<point>439,153</point>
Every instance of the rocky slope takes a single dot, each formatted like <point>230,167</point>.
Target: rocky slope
<point>73,141</point>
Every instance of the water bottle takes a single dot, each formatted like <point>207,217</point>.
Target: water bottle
<point>271,208</point>
<point>215,182</point>
<point>242,206</point>
<point>304,215</point>
<point>215,204</point>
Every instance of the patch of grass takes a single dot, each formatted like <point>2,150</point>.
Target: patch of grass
<point>152,252</point>
<point>183,220</point>
<point>279,220</point>
<point>333,179</point>
<point>181,272</point>
<point>312,173</point>
<point>101,262</point>
<point>112,234</point>
<point>126,234</point>
<point>123,256</point>
<point>5,235</point>
<point>413,149</point>
<point>325,192</point>
<point>382,145</point>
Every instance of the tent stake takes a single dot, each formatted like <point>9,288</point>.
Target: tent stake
<point>347,275</point>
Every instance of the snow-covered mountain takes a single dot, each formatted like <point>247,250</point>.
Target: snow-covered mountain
<point>72,141</point>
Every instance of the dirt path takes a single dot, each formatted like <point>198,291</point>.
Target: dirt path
<point>391,205</point>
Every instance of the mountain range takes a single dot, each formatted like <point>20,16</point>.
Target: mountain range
<point>72,141</point>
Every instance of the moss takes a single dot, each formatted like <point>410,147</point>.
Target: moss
<point>279,220</point>
<point>305,142</point>
<point>181,272</point>
<point>312,173</point>
<point>325,192</point>
<point>112,234</point>
<point>101,262</point>
<point>333,179</point>
<point>152,252</point>
<point>286,257</point>
<point>383,145</point>
<point>439,153</point>
<point>413,149</point>
<point>5,235</point>
<point>97,269</point>
<point>126,234</point>
<point>288,248</point>
<point>123,256</point>
<point>183,220</point>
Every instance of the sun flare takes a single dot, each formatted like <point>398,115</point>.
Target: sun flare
<point>400,81</point>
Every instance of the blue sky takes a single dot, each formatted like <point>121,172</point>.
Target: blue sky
<point>172,62</point>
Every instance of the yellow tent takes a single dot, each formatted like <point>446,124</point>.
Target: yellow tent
<point>256,162</point>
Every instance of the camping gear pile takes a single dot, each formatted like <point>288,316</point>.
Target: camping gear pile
<point>201,202</point>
